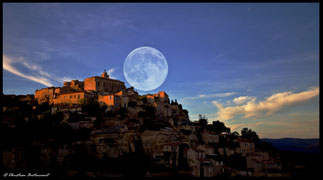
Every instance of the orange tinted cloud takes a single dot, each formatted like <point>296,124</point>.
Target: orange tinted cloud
<point>266,107</point>
<point>205,96</point>
<point>243,99</point>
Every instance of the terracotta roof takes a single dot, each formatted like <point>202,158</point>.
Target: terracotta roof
<point>104,78</point>
<point>52,87</point>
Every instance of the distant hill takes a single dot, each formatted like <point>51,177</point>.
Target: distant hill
<point>311,146</point>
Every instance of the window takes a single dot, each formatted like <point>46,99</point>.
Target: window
<point>110,97</point>
<point>98,83</point>
<point>64,97</point>
<point>78,96</point>
<point>74,96</point>
<point>71,96</point>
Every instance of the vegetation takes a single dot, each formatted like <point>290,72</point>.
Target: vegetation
<point>75,117</point>
<point>174,102</point>
<point>218,127</point>
<point>185,111</point>
<point>236,161</point>
<point>250,134</point>
<point>91,108</point>
<point>132,104</point>
<point>122,112</point>
<point>202,120</point>
<point>142,98</point>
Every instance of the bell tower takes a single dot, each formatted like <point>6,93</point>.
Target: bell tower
<point>105,75</point>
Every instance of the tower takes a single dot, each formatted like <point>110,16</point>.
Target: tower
<point>105,75</point>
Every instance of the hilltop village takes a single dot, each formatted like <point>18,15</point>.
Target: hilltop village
<point>100,128</point>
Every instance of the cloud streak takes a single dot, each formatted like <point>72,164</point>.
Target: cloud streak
<point>39,76</point>
<point>206,96</point>
<point>7,65</point>
<point>243,99</point>
<point>110,71</point>
<point>272,104</point>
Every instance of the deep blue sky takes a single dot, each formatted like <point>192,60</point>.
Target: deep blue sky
<point>216,53</point>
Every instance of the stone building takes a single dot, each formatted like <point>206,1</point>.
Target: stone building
<point>46,94</point>
<point>262,163</point>
<point>210,137</point>
<point>73,91</point>
<point>71,97</point>
<point>119,99</point>
<point>246,146</point>
<point>103,84</point>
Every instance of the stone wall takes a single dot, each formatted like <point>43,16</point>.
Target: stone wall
<point>103,84</point>
<point>70,98</point>
<point>45,95</point>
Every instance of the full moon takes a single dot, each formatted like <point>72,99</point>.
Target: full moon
<point>145,68</point>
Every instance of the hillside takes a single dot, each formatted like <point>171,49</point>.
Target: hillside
<point>295,144</point>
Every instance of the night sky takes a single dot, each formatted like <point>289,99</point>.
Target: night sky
<point>247,65</point>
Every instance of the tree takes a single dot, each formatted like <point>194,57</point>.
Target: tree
<point>132,104</point>
<point>202,120</point>
<point>218,127</point>
<point>237,161</point>
<point>122,112</point>
<point>185,112</point>
<point>244,132</point>
<point>250,134</point>
<point>90,107</point>
<point>235,134</point>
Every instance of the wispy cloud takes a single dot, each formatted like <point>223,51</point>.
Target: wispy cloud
<point>37,73</point>
<point>239,126</point>
<point>32,67</point>
<point>262,108</point>
<point>218,56</point>
<point>7,65</point>
<point>110,71</point>
<point>243,99</point>
<point>206,96</point>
